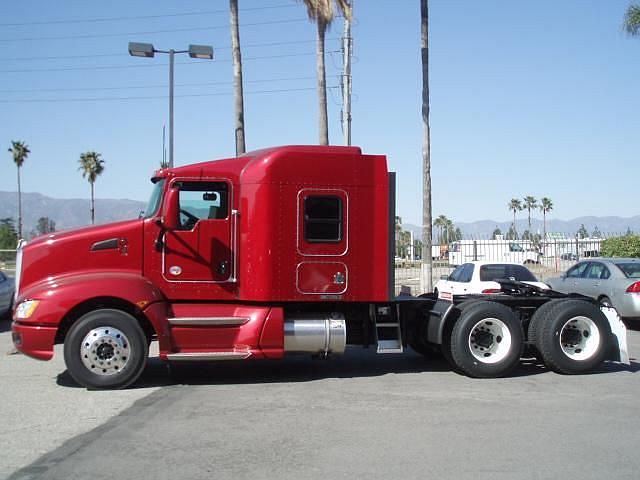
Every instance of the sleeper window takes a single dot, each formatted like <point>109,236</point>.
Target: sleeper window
<point>323,219</point>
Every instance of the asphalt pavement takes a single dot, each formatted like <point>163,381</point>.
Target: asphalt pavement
<point>358,416</point>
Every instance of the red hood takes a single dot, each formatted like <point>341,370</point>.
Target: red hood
<point>114,246</point>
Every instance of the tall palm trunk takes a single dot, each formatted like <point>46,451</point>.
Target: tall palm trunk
<point>515,232</point>
<point>93,210</point>
<point>19,207</point>
<point>322,84</point>
<point>544,226</point>
<point>237,79</point>
<point>426,280</point>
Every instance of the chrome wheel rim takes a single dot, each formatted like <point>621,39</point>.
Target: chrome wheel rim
<point>579,338</point>
<point>105,351</point>
<point>490,340</point>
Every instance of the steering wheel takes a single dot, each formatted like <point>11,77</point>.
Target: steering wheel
<point>191,219</point>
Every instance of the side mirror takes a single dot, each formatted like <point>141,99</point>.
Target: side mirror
<point>444,277</point>
<point>170,209</point>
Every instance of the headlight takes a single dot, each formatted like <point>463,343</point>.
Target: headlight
<point>25,309</point>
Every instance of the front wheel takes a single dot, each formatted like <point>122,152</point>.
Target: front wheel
<point>106,349</point>
<point>486,341</point>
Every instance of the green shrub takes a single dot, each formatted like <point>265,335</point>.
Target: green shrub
<point>627,246</point>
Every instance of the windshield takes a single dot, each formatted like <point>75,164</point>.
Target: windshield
<point>630,270</point>
<point>154,201</point>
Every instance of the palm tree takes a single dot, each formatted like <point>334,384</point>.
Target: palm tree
<point>427,263</point>
<point>546,205</point>
<point>632,20</point>
<point>515,205</point>
<point>440,223</point>
<point>91,165</point>
<point>529,203</point>
<point>237,79</point>
<point>20,151</point>
<point>322,12</point>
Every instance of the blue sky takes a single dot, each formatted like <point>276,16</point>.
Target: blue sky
<point>527,97</point>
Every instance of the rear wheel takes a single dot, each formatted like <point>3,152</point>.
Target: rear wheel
<point>538,318</point>
<point>573,337</point>
<point>486,341</point>
<point>106,349</point>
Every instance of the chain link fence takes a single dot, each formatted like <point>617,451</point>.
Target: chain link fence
<point>545,259</point>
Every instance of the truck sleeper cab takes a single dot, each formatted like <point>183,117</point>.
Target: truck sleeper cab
<point>283,250</point>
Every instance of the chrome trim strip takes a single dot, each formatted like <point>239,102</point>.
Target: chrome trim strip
<point>19,249</point>
<point>209,321</point>
<point>234,245</point>
<point>207,356</point>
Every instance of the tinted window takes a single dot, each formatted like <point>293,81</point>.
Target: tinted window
<point>514,247</point>
<point>577,271</point>
<point>455,275</point>
<point>630,270</point>
<point>598,271</point>
<point>501,271</point>
<point>202,200</point>
<point>323,219</point>
<point>467,273</point>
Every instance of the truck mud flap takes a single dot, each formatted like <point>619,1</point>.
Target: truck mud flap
<point>618,349</point>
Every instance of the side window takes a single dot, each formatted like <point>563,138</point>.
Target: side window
<point>514,247</point>
<point>605,273</point>
<point>322,219</point>
<point>577,271</point>
<point>202,201</point>
<point>467,273</point>
<point>455,275</point>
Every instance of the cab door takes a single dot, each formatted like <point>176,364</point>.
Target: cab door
<point>199,250</point>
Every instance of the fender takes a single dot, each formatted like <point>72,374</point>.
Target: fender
<point>437,320</point>
<point>59,294</point>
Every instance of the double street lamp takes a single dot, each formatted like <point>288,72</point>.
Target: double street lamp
<point>203,52</point>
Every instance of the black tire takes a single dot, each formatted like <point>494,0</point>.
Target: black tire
<point>118,352</point>
<point>538,318</point>
<point>476,357</point>
<point>575,322</point>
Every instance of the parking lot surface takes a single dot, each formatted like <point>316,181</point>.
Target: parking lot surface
<point>358,416</point>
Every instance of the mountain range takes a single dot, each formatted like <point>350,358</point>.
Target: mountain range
<point>66,213</point>
<point>70,213</point>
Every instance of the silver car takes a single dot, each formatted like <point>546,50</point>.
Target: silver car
<point>6,294</point>
<point>612,281</point>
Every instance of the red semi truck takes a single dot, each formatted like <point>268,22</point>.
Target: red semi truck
<point>279,251</point>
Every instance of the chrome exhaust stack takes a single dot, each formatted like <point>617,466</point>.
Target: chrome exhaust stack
<point>315,333</point>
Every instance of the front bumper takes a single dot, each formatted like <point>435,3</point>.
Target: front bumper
<point>34,340</point>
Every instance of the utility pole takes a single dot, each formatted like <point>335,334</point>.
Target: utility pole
<point>171,55</point>
<point>347,51</point>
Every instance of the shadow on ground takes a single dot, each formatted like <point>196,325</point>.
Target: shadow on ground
<point>355,363</point>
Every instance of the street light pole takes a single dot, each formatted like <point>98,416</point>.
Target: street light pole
<point>171,55</point>
<point>147,50</point>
